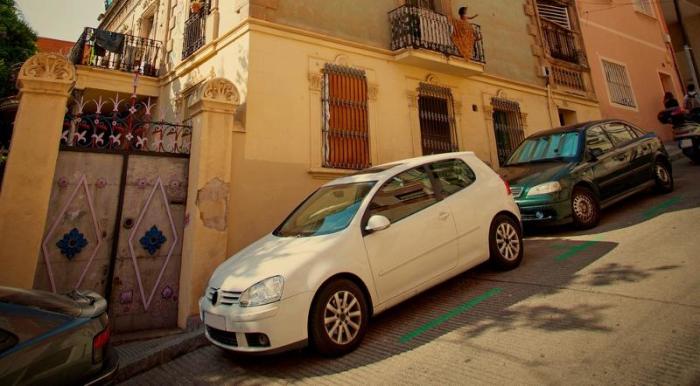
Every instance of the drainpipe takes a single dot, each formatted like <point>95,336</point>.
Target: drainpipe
<point>686,45</point>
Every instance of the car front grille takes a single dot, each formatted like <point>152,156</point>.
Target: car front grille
<point>226,298</point>
<point>223,337</point>
<point>517,191</point>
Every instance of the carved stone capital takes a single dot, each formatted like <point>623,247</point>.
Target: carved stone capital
<point>412,99</point>
<point>50,67</point>
<point>315,81</point>
<point>220,90</point>
<point>372,91</point>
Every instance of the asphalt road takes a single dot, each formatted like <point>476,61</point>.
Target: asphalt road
<point>619,304</point>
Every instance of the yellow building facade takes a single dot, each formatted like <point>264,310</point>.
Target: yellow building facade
<point>254,80</point>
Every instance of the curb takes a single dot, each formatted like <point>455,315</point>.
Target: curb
<point>135,358</point>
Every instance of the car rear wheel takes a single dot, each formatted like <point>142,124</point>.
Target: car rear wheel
<point>663,177</point>
<point>585,209</point>
<point>339,317</point>
<point>505,243</point>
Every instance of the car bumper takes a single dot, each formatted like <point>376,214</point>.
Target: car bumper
<point>236,328</point>
<point>545,213</point>
<point>109,368</point>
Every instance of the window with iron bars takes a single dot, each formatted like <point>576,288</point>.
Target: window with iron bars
<point>437,123</point>
<point>618,84</point>
<point>345,126</point>
<point>508,127</point>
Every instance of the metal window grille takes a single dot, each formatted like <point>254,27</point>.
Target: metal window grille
<point>508,127</point>
<point>645,6</point>
<point>345,126</point>
<point>618,84</point>
<point>195,30</point>
<point>437,123</point>
<point>555,13</point>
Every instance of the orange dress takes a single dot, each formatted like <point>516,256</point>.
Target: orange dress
<point>463,37</point>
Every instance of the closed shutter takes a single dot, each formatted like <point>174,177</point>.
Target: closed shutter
<point>557,14</point>
<point>345,118</point>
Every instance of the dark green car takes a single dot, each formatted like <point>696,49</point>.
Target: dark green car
<point>569,174</point>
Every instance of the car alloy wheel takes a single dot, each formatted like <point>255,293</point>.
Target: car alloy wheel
<point>507,241</point>
<point>583,208</point>
<point>342,317</point>
<point>339,318</point>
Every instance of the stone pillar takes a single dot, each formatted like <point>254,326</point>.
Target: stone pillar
<point>212,26</point>
<point>205,239</point>
<point>45,82</point>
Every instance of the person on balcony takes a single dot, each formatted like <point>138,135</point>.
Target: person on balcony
<point>463,33</point>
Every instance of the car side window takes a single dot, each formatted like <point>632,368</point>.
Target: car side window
<point>619,133</point>
<point>597,142</point>
<point>403,195</point>
<point>453,175</point>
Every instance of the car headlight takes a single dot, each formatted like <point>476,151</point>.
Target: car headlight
<point>548,187</point>
<point>264,292</point>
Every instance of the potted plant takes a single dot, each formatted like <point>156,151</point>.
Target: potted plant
<point>196,6</point>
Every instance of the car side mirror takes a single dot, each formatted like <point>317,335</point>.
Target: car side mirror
<point>593,154</point>
<point>377,223</point>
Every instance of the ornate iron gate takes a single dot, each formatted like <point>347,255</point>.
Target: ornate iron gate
<point>117,211</point>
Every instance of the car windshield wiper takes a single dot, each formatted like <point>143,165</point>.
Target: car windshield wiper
<point>553,159</point>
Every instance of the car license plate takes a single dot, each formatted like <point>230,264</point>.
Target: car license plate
<point>686,143</point>
<point>216,321</point>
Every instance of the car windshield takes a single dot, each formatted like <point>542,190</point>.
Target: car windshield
<point>329,210</point>
<point>553,147</point>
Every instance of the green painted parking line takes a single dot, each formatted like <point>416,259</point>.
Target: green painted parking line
<point>576,249</point>
<point>449,315</point>
<point>658,209</point>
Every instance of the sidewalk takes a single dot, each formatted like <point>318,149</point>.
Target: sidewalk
<point>139,356</point>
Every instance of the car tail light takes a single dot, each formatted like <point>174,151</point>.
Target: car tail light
<point>99,345</point>
<point>510,193</point>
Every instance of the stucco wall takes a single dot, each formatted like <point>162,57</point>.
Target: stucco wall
<point>274,160</point>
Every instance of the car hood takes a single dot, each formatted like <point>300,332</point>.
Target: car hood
<point>267,257</point>
<point>531,174</point>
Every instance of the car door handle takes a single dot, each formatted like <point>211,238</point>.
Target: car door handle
<point>620,157</point>
<point>444,215</point>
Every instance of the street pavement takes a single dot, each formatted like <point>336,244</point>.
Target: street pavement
<point>619,304</point>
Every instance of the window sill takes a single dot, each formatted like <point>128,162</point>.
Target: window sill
<point>329,173</point>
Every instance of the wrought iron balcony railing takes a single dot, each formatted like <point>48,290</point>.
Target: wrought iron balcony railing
<point>115,51</point>
<point>195,30</point>
<point>561,44</point>
<point>417,27</point>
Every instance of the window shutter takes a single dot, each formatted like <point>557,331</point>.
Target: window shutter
<point>345,118</point>
<point>557,14</point>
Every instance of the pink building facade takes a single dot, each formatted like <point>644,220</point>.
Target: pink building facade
<point>631,60</point>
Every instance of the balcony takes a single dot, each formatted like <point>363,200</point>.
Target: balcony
<point>115,51</point>
<point>561,44</point>
<point>195,30</point>
<point>423,37</point>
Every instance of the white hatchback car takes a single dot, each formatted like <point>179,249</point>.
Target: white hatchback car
<point>357,246</point>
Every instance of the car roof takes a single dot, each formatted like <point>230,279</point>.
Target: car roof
<point>571,128</point>
<point>384,171</point>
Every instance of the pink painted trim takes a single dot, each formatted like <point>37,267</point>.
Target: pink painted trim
<point>147,302</point>
<point>44,247</point>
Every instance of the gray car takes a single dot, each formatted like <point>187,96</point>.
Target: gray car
<point>48,338</point>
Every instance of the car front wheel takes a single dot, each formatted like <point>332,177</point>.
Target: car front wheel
<point>584,208</point>
<point>505,243</point>
<point>663,177</point>
<point>338,319</point>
